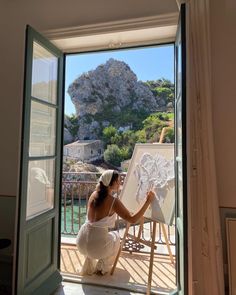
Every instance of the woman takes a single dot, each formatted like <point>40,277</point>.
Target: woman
<point>94,241</point>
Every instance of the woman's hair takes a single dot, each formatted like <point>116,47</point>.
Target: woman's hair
<point>102,190</point>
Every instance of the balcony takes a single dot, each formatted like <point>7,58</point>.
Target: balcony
<point>132,270</point>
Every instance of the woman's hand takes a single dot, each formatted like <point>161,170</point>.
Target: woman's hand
<point>124,213</point>
<point>150,196</point>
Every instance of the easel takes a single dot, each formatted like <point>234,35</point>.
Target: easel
<point>150,244</point>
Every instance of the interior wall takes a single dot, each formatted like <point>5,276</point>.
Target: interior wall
<point>44,15</point>
<point>7,211</point>
<point>223,53</point>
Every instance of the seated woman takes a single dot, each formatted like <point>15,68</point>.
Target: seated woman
<point>94,240</point>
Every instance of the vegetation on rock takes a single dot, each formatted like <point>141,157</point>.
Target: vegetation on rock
<point>113,106</point>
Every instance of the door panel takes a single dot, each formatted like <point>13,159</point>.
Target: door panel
<point>40,192</point>
<point>42,130</point>
<point>180,155</point>
<point>38,220</point>
<point>39,260</point>
<point>44,74</point>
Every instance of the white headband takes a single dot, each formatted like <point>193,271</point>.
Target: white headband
<point>106,177</point>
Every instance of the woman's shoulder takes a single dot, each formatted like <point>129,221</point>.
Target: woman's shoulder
<point>92,197</point>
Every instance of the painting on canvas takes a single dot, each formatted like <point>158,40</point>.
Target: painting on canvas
<point>151,168</point>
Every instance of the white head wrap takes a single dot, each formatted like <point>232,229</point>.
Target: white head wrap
<point>106,177</point>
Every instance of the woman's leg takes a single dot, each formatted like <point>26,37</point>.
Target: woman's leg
<point>88,268</point>
<point>104,264</point>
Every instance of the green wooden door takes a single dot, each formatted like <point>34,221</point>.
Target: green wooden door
<point>38,220</point>
<point>180,155</point>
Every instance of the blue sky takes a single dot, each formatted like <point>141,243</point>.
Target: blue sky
<point>150,63</point>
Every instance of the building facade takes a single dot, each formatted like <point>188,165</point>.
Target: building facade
<point>84,150</point>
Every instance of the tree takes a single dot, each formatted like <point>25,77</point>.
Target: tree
<point>141,136</point>
<point>154,124</point>
<point>113,155</point>
<point>108,133</point>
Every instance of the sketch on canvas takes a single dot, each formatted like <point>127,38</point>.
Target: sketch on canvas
<point>151,167</point>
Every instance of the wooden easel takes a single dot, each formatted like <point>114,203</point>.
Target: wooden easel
<point>151,243</point>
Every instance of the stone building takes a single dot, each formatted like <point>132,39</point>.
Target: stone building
<point>84,150</point>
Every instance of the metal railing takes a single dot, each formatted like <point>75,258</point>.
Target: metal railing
<point>76,189</point>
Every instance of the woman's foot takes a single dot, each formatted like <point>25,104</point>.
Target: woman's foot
<point>100,272</point>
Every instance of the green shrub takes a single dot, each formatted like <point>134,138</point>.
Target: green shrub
<point>170,135</point>
<point>108,133</point>
<point>113,155</point>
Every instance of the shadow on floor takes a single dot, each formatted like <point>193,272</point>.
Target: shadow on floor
<point>131,273</point>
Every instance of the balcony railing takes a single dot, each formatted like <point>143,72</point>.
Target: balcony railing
<point>76,189</point>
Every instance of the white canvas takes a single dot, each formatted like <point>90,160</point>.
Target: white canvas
<point>151,167</point>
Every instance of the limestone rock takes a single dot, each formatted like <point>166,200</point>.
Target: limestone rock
<point>107,91</point>
<point>68,138</point>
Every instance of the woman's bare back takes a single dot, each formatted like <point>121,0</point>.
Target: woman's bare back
<point>97,213</point>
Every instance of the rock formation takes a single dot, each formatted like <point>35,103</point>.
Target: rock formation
<point>101,95</point>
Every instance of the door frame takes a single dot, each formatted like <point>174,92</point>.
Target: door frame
<point>182,33</point>
<point>59,36</point>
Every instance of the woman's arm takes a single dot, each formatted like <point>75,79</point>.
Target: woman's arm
<point>124,213</point>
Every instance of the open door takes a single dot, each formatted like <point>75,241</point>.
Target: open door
<point>180,155</point>
<point>38,219</point>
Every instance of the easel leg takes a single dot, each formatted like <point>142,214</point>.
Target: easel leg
<point>151,258</point>
<point>140,228</point>
<point>121,247</point>
<point>167,243</point>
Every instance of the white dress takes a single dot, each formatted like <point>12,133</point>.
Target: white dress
<point>98,245</point>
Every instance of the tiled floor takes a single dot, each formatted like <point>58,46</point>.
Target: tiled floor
<point>131,273</point>
<point>68,288</point>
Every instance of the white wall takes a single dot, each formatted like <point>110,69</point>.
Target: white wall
<point>223,49</point>
<point>44,15</point>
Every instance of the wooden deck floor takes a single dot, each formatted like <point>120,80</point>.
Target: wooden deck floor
<point>131,272</point>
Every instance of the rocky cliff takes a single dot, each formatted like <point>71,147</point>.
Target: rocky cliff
<point>111,94</point>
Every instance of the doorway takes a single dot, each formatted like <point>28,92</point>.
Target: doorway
<point>127,95</point>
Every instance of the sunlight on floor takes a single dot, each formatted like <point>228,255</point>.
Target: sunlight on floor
<point>131,272</point>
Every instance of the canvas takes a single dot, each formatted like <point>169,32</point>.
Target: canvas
<point>151,167</point>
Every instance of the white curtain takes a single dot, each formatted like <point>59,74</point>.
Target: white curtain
<point>206,262</point>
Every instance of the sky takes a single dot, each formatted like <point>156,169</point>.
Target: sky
<point>149,63</point>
